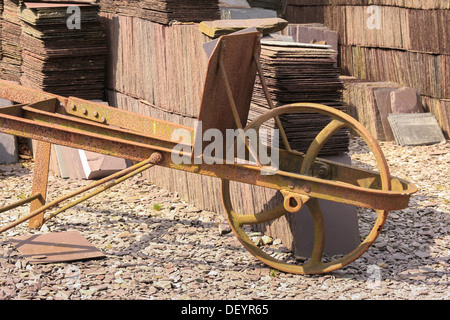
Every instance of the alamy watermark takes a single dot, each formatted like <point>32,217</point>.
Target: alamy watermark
<point>74,20</point>
<point>72,277</point>
<point>215,147</point>
<point>374,20</point>
<point>374,277</point>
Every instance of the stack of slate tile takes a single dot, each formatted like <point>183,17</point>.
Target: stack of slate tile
<point>163,65</point>
<point>61,59</point>
<point>406,42</point>
<point>302,73</point>
<point>164,11</point>
<point>11,49</point>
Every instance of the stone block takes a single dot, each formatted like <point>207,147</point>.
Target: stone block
<point>9,152</point>
<point>341,225</point>
<point>406,100</point>
<point>8,149</point>
<point>383,104</point>
<point>415,129</point>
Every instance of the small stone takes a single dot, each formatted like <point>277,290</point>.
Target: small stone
<point>266,240</point>
<point>422,254</point>
<point>163,284</point>
<point>276,242</point>
<point>224,228</point>
<point>100,287</point>
<point>62,295</point>
<point>88,292</point>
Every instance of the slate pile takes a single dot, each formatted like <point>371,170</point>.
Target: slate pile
<point>11,49</point>
<point>63,56</point>
<point>297,72</point>
<point>164,11</point>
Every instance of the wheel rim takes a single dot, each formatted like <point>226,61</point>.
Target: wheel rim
<point>315,264</point>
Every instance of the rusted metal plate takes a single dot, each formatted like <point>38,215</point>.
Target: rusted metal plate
<point>55,247</point>
<point>236,53</point>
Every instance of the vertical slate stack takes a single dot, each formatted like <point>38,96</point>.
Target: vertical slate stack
<point>11,49</point>
<point>406,42</point>
<point>295,73</point>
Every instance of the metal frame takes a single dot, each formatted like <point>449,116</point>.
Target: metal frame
<point>73,122</point>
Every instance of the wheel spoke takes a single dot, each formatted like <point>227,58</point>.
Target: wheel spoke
<point>318,143</point>
<point>250,219</point>
<point>261,217</point>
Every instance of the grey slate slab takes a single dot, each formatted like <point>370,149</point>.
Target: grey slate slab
<point>413,129</point>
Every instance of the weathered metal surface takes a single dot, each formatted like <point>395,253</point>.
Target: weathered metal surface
<point>55,247</point>
<point>40,179</point>
<point>229,84</point>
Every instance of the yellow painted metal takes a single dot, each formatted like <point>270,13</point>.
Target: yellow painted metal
<point>315,265</point>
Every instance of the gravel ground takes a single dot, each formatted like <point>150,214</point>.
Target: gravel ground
<point>160,247</point>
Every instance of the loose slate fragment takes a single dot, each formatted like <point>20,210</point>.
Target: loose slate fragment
<point>414,129</point>
<point>406,100</point>
<point>219,28</point>
<point>11,48</point>
<point>55,247</point>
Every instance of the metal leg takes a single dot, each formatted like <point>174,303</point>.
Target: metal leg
<point>40,179</point>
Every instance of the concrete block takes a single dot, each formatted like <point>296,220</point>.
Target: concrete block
<point>341,225</point>
<point>9,150</point>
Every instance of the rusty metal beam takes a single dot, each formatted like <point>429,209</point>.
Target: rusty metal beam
<point>138,151</point>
